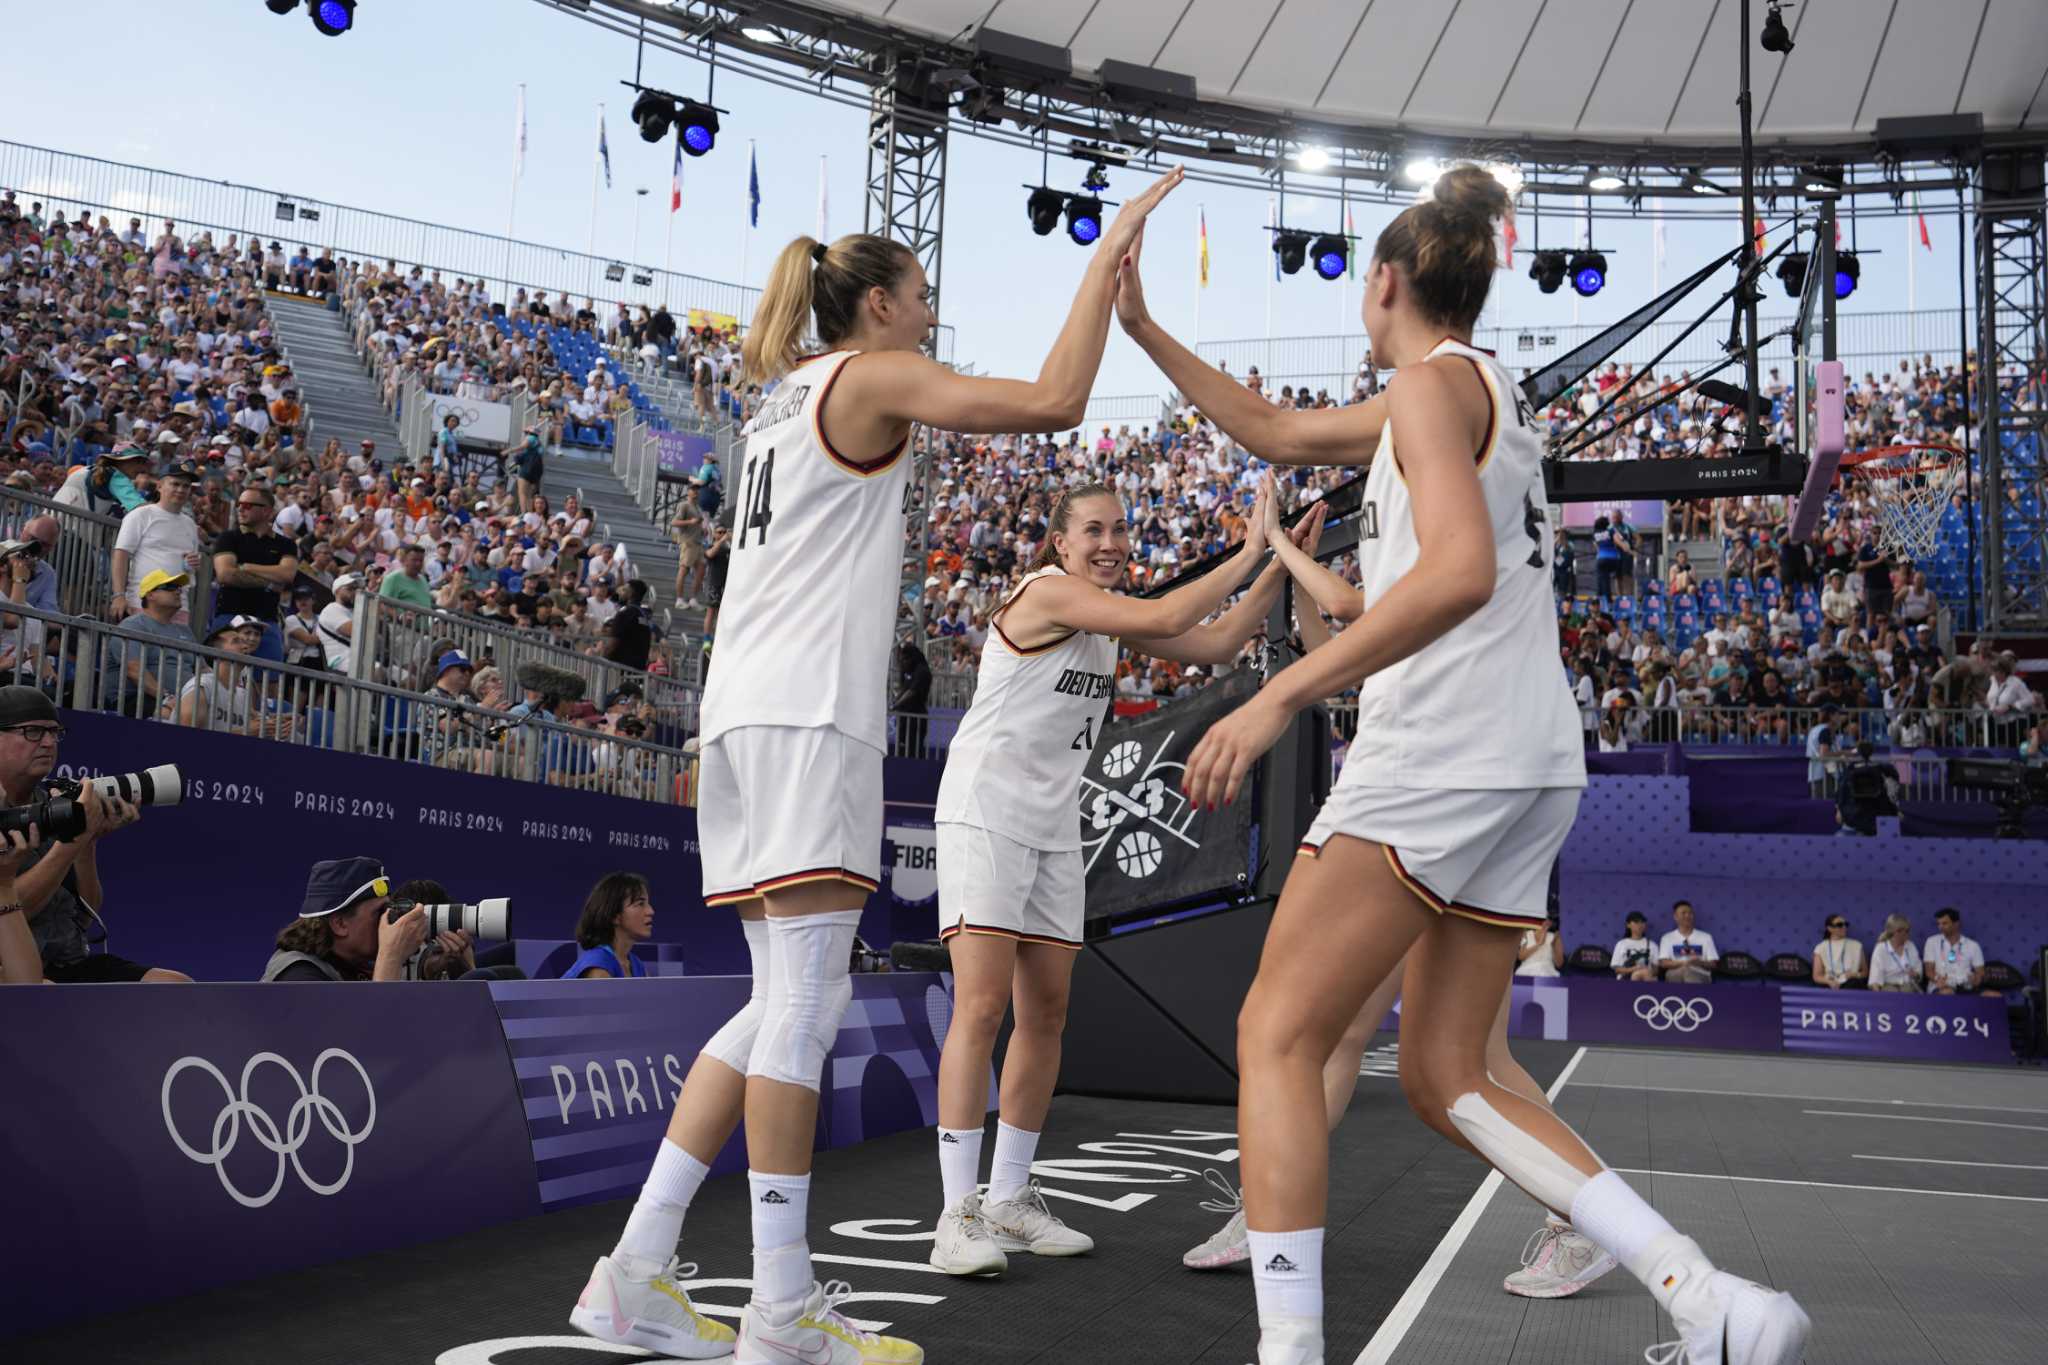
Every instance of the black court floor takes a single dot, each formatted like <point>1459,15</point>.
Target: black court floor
<point>1129,1174</point>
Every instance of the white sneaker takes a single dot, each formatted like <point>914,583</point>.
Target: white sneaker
<point>1026,1224</point>
<point>1557,1263</point>
<point>964,1245</point>
<point>1290,1341</point>
<point>820,1335</point>
<point>1727,1320</point>
<point>1228,1246</point>
<point>655,1314</point>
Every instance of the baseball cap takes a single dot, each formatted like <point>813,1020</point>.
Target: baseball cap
<point>183,469</point>
<point>167,437</point>
<point>348,580</point>
<point>337,883</point>
<point>223,624</point>
<point>454,658</point>
<point>20,705</point>
<point>161,578</point>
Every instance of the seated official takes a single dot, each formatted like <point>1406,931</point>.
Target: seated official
<point>1632,959</point>
<point>342,933</point>
<point>618,914</point>
<point>1894,961</point>
<point>1838,959</point>
<point>1687,953</point>
<point>1952,960</point>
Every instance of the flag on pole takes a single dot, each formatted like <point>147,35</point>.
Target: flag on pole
<point>753,187</point>
<point>1508,238</point>
<point>675,184</point>
<point>1759,231</point>
<point>1657,231</point>
<point>519,145</point>
<point>824,233</point>
<point>604,148</point>
<point>1202,248</point>
<point>1921,218</point>
<point>1351,239</point>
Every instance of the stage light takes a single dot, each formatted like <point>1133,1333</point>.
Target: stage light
<point>1044,209</point>
<point>1792,274</point>
<point>1699,184</point>
<point>1603,180</point>
<point>761,35</point>
<point>1084,219</point>
<point>1589,273</point>
<point>1822,179</point>
<point>1547,269</point>
<point>1332,255</point>
<point>281,6</point>
<point>1312,158</point>
<point>1847,272</point>
<point>1776,37</point>
<point>1423,170</point>
<point>699,123</point>
<point>1292,249</point>
<point>654,112</point>
<point>333,17</point>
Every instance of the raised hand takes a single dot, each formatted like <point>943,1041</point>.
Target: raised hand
<point>1130,289</point>
<point>1308,532</point>
<point>1130,219</point>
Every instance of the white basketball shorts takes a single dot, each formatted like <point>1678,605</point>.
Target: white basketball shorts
<point>991,884</point>
<point>779,806</point>
<point>1483,854</point>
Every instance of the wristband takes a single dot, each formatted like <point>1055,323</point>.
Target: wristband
<point>11,908</point>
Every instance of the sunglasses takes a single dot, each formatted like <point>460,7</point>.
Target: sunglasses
<point>1838,924</point>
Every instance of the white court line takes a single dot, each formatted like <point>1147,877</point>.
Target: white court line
<point>1382,1346</point>
<point>1942,1161</point>
<point>1831,1185</point>
<point>1923,1118</point>
<point>1824,1099</point>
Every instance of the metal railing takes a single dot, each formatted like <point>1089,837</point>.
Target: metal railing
<point>90,666</point>
<point>85,547</point>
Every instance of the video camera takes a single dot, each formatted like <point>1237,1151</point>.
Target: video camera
<point>488,920</point>
<point>59,815</point>
<point>2015,785</point>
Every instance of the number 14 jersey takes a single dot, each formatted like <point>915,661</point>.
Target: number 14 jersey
<point>807,624</point>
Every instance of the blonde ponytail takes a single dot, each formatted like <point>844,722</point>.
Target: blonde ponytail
<point>811,282</point>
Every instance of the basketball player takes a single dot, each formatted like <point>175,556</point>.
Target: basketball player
<point>790,791</point>
<point>1009,833</point>
<point>1557,1262</point>
<point>1457,793</point>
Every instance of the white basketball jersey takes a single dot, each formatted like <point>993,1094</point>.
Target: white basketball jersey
<point>1486,705</point>
<point>1015,766</point>
<point>808,621</point>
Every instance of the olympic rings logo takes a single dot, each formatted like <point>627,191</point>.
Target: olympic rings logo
<point>298,1123</point>
<point>465,417</point>
<point>1683,1013</point>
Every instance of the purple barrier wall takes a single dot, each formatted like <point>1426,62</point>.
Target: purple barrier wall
<point>599,1065</point>
<point>1633,849</point>
<point>207,1134</point>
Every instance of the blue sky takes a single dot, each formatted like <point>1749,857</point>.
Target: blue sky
<point>413,113</point>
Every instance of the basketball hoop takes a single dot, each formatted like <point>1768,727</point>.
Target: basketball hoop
<point>1911,486</point>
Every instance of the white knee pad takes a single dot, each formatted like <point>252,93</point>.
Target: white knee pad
<point>808,992</point>
<point>1546,1176</point>
<point>733,1044</point>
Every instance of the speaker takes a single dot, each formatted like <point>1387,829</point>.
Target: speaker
<point>1130,81</point>
<point>1931,135</point>
<point>2009,176</point>
<point>1026,57</point>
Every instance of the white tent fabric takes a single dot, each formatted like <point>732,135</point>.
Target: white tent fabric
<point>1647,71</point>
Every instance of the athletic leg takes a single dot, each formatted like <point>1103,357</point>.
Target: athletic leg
<point>1340,1073</point>
<point>1342,925</point>
<point>1015,1210</point>
<point>1445,1076</point>
<point>982,968</point>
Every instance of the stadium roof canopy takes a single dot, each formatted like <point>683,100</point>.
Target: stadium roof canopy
<point>1625,71</point>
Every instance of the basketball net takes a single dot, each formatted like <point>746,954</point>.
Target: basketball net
<point>1910,487</point>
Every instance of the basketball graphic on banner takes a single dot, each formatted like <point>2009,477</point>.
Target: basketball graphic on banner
<point>1138,854</point>
<point>1123,759</point>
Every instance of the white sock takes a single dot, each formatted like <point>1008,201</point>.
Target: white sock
<point>782,1265</point>
<point>1010,1171</point>
<point>959,1162</point>
<point>657,1218</point>
<point>1287,1273</point>
<point>1616,1219</point>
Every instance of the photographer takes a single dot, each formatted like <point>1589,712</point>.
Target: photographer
<point>1866,791</point>
<point>58,884</point>
<point>341,933</point>
<point>445,956</point>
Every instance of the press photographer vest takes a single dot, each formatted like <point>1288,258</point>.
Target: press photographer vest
<point>282,959</point>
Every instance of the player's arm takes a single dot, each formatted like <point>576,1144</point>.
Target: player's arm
<point>1332,594</point>
<point>1069,604</point>
<point>1319,436</point>
<point>1218,641</point>
<point>1455,565</point>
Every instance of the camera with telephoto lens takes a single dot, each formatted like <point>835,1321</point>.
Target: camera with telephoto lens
<point>59,813</point>
<point>488,921</point>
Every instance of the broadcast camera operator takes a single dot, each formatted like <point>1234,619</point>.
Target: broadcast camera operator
<point>1865,790</point>
<point>58,884</point>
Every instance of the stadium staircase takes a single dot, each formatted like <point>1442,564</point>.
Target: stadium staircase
<point>340,397</point>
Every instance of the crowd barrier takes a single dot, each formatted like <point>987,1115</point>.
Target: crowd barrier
<point>1763,1017</point>
<point>217,1133</point>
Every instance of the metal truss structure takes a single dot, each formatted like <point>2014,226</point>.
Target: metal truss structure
<point>2012,412</point>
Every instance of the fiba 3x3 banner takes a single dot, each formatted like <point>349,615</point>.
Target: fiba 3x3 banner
<point>1143,844</point>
